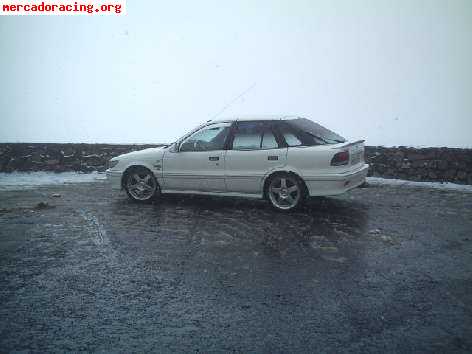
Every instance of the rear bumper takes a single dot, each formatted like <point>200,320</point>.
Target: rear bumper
<point>114,178</point>
<point>336,183</point>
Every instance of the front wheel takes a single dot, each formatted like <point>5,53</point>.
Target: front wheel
<point>285,192</point>
<point>141,184</point>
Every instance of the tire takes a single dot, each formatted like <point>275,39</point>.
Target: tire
<point>141,185</point>
<point>285,191</point>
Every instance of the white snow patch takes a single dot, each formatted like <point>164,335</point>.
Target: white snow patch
<point>434,185</point>
<point>25,180</point>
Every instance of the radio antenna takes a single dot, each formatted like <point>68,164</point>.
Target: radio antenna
<point>225,107</point>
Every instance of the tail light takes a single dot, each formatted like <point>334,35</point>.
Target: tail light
<point>340,159</point>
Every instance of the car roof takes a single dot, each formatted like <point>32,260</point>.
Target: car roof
<point>255,117</point>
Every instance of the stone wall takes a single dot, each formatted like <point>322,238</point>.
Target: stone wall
<point>428,164</point>
<point>60,157</point>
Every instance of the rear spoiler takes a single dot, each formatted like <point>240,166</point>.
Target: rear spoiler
<point>350,144</point>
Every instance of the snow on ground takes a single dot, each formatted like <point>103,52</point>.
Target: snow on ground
<point>25,180</point>
<point>434,185</point>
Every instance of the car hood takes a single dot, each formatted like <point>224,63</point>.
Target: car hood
<point>155,152</point>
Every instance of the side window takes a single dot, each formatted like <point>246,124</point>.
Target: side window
<point>268,140</point>
<point>289,135</point>
<point>211,137</point>
<point>291,139</point>
<point>254,136</point>
<point>246,141</point>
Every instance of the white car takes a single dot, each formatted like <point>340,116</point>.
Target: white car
<point>283,159</point>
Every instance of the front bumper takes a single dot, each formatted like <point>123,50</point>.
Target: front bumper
<point>114,179</point>
<point>336,184</point>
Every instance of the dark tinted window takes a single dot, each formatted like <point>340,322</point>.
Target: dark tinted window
<point>311,133</point>
<point>254,136</point>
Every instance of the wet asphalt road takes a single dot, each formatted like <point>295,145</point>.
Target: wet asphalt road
<point>378,269</point>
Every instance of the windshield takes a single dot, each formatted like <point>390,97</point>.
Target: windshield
<point>316,131</point>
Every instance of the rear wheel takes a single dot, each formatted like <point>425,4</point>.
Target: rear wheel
<point>285,191</point>
<point>141,184</point>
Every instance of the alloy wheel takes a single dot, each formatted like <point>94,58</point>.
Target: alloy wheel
<point>141,185</point>
<point>284,192</point>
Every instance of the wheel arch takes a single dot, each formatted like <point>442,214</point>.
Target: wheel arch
<point>133,166</point>
<point>290,171</point>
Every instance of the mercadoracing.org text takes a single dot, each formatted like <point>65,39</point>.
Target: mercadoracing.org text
<point>62,7</point>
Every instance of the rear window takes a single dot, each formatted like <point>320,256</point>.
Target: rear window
<point>253,136</point>
<point>291,139</point>
<point>311,133</point>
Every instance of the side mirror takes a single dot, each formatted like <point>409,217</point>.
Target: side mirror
<point>174,147</point>
<point>186,146</point>
<point>190,146</point>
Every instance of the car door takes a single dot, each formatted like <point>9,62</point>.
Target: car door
<point>253,151</point>
<point>197,163</point>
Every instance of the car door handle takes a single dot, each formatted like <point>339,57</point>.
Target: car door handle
<point>214,158</point>
<point>272,158</point>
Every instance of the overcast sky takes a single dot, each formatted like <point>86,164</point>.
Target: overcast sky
<point>391,72</point>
